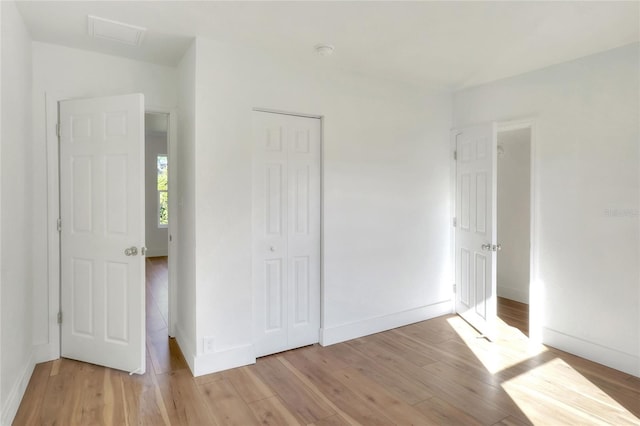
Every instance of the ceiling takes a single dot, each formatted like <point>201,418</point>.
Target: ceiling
<point>448,45</point>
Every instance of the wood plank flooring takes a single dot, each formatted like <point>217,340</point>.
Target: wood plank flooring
<point>515,314</point>
<point>434,372</point>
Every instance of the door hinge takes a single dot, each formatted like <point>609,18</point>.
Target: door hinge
<point>455,154</point>
<point>454,287</point>
<point>58,131</point>
<point>59,224</point>
<point>455,222</point>
<point>60,317</point>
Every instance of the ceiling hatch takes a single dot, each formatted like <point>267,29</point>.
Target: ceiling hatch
<point>115,31</point>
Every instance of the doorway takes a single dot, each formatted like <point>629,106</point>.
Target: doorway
<point>157,237</point>
<point>513,156</point>
<point>57,293</point>
<point>476,238</point>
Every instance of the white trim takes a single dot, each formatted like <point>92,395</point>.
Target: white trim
<point>224,360</point>
<point>44,352</point>
<point>513,293</point>
<point>453,164</point>
<point>322,216</point>
<point>517,124</point>
<point>1,269</point>
<point>53,213</point>
<point>12,402</point>
<point>157,252</point>
<point>619,360</point>
<point>295,114</point>
<point>183,344</point>
<point>354,330</point>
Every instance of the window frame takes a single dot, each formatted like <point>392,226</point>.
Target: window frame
<point>159,193</point>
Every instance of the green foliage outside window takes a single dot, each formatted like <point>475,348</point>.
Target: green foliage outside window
<point>163,195</point>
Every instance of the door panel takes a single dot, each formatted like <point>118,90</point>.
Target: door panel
<point>476,234</point>
<point>102,212</point>
<point>274,303</point>
<point>286,231</point>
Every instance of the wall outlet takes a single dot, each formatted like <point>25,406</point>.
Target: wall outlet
<point>207,344</point>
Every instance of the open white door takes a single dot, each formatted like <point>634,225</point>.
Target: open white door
<point>475,231</point>
<point>102,236</point>
<point>286,232</point>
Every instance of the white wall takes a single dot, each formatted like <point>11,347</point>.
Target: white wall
<point>513,214</point>
<point>185,323</point>
<point>586,140</point>
<point>17,187</point>
<point>386,207</point>
<point>61,73</point>
<point>156,239</point>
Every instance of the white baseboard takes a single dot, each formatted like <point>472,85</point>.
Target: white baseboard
<point>156,252</point>
<point>613,358</point>
<point>12,403</point>
<point>183,343</point>
<point>342,333</point>
<point>45,352</point>
<point>224,360</point>
<point>517,294</point>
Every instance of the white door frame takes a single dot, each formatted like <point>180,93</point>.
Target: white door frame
<point>51,350</point>
<point>322,294</point>
<point>535,297</point>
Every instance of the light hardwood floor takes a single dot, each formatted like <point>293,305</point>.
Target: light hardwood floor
<point>434,372</point>
<point>514,313</point>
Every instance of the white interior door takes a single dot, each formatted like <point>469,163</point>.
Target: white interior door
<point>102,213</point>
<point>286,231</point>
<point>475,231</point>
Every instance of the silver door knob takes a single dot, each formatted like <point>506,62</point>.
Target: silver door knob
<point>486,247</point>
<point>131,251</point>
<point>497,247</point>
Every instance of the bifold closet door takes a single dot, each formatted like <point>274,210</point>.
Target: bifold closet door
<point>286,231</point>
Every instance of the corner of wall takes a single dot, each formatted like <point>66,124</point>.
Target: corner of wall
<point>185,347</point>
<point>224,360</point>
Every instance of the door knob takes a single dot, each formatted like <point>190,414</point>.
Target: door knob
<point>497,247</point>
<point>131,251</point>
<point>486,247</point>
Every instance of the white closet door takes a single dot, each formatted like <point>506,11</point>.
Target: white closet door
<point>476,227</point>
<point>286,231</point>
<point>102,212</point>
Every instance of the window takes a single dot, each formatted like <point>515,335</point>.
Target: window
<point>163,194</point>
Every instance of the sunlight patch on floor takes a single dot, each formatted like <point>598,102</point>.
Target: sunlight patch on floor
<point>540,384</point>
<point>514,349</point>
<point>556,388</point>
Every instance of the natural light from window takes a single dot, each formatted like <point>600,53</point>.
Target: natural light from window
<point>163,191</point>
<point>541,381</point>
